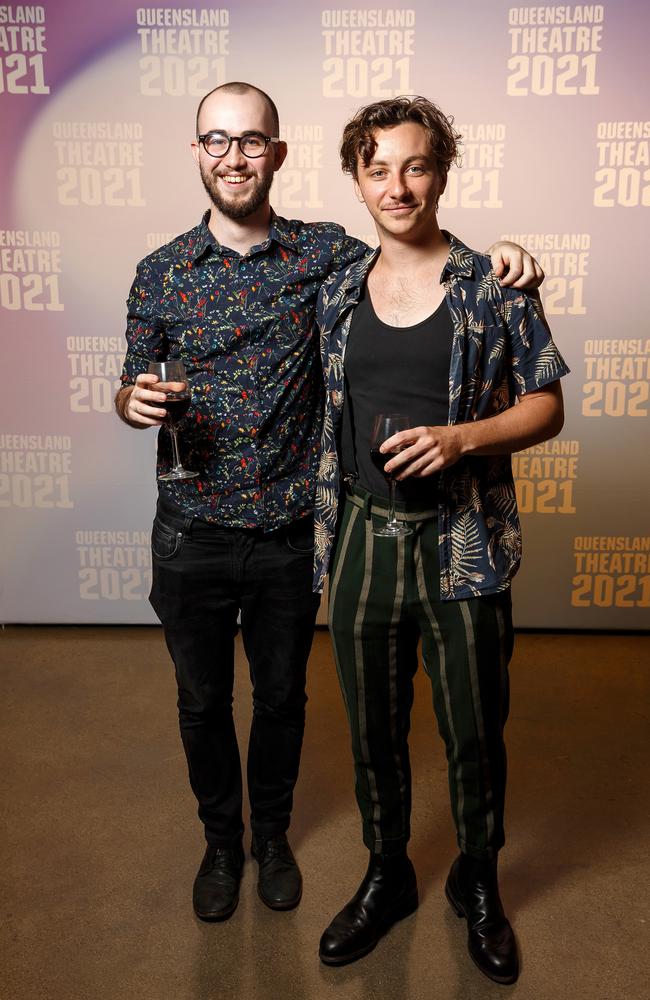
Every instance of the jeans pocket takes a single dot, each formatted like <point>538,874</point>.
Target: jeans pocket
<point>300,536</point>
<point>166,542</point>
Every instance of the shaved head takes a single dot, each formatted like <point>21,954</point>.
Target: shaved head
<point>239,89</point>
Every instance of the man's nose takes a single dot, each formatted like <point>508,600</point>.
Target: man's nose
<point>234,157</point>
<point>397,187</point>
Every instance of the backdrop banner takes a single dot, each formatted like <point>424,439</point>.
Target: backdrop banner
<point>98,104</point>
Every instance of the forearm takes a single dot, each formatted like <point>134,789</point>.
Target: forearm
<point>421,451</point>
<point>537,417</point>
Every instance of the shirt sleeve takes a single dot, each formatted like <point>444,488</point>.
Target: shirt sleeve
<point>145,330</point>
<point>346,250</point>
<point>536,361</point>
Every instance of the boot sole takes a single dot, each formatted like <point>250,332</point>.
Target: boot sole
<point>219,915</point>
<point>459,910</point>
<point>273,904</point>
<point>405,909</point>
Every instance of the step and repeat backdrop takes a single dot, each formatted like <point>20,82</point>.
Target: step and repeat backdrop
<point>98,104</point>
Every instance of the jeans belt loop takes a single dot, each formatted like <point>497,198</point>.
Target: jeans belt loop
<point>187,526</point>
<point>367,506</point>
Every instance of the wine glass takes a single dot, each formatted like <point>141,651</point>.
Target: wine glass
<point>385,425</point>
<point>177,404</point>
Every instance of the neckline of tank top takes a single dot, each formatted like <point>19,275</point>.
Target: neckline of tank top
<point>401,329</point>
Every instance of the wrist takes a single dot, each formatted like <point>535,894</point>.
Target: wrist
<point>464,438</point>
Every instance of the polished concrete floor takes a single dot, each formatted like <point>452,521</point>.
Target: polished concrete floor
<point>101,843</point>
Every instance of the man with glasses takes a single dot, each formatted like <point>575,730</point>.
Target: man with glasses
<point>234,299</point>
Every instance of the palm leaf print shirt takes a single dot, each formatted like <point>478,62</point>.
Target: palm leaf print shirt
<point>502,348</point>
<point>243,325</point>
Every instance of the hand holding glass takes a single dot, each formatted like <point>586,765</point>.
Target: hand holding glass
<point>177,404</point>
<point>385,425</point>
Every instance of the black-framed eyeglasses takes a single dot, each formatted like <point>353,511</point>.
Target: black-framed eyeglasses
<point>251,145</point>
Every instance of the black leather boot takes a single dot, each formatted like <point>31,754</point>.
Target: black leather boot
<point>280,883</point>
<point>388,893</point>
<point>216,886</point>
<point>473,893</point>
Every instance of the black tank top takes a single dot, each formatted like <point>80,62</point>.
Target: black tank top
<point>392,369</point>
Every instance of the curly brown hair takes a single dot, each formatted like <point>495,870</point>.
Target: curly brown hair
<point>358,135</point>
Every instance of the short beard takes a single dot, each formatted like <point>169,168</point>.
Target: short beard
<point>241,209</point>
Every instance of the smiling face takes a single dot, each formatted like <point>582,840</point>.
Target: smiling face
<point>238,187</point>
<point>401,184</point>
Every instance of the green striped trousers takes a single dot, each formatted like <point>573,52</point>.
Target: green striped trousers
<point>384,599</point>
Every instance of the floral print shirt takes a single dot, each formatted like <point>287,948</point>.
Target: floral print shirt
<point>502,348</point>
<point>244,327</point>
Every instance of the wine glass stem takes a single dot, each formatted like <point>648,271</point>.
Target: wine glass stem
<point>177,457</point>
<point>392,521</point>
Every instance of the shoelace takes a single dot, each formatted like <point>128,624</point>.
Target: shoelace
<point>273,849</point>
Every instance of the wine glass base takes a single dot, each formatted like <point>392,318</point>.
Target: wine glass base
<point>392,531</point>
<point>176,474</point>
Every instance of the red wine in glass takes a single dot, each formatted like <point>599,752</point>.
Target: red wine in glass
<point>177,404</point>
<point>385,425</point>
<point>379,460</point>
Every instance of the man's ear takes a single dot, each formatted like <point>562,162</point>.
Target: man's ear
<point>357,191</point>
<point>194,146</point>
<point>280,151</point>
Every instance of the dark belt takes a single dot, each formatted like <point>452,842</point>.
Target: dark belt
<point>371,504</point>
<point>192,523</point>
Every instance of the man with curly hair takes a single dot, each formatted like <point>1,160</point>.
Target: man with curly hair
<point>423,328</point>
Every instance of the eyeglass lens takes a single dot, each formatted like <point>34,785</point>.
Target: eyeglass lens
<point>218,144</point>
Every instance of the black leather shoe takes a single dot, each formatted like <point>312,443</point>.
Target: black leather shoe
<point>387,894</point>
<point>216,886</point>
<point>473,893</point>
<point>280,883</point>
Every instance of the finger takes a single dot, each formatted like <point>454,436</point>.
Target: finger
<point>171,386</point>
<point>531,275</point>
<point>144,410</point>
<point>149,396</point>
<point>417,467</point>
<point>416,457</point>
<point>151,410</point>
<point>526,279</point>
<point>499,265</point>
<point>396,441</point>
<point>430,469</point>
<point>404,456</point>
<point>403,439</point>
<point>515,268</point>
<point>146,378</point>
<point>539,274</point>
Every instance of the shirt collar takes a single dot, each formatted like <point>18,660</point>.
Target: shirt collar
<point>202,239</point>
<point>355,275</point>
<point>282,232</point>
<point>460,262</point>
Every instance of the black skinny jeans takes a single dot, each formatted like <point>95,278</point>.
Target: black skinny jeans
<point>203,576</point>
